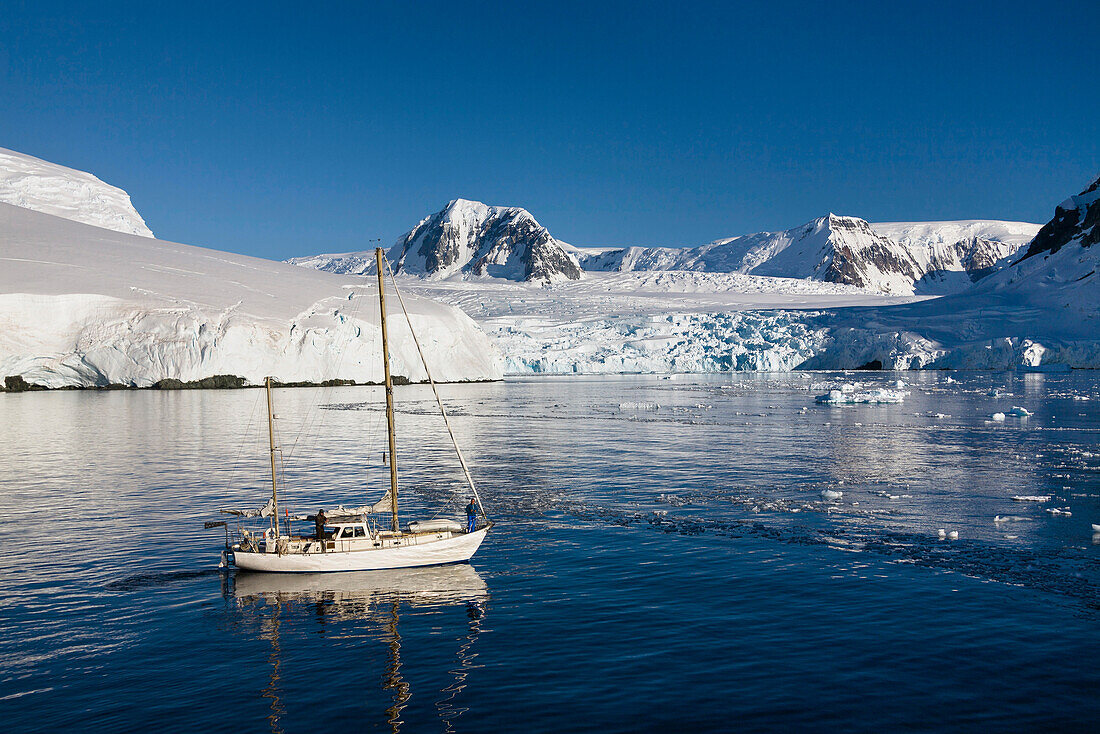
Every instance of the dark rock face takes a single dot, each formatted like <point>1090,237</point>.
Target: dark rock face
<point>1069,224</point>
<point>214,382</point>
<point>978,255</point>
<point>545,258</point>
<point>16,383</point>
<point>856,249</point>
<point>440,248</point>
<point>470,237</point>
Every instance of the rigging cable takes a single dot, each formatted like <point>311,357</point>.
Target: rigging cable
<point>310,431</point>
<point>240,448</point>
<point>438,400</point>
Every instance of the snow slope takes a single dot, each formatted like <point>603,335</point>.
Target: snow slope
<point>1060,271</point>
<point>83,305</point>
<point>36,184</point>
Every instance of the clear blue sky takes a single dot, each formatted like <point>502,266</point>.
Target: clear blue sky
<point>278,130</point>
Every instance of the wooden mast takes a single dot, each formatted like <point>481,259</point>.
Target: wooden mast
<point>395,526</point>
<point>271,443</point>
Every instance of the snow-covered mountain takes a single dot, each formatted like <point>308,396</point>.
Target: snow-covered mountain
<point>467,237</point>
<point>900,258</point>
<point>36,184</point>
<point>897,257</point>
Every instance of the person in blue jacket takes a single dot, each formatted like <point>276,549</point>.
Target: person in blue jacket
<point>471,516</point>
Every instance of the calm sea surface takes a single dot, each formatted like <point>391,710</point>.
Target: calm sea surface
<point>664,559</point>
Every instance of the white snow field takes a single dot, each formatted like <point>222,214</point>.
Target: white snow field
<point>81,305</point>
<point>931,234</point>
<point>36,184</point>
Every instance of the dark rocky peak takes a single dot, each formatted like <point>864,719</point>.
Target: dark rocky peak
<point>471,237</point>
<point>1074,219</point>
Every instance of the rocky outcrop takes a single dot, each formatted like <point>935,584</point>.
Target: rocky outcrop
<point>1074,219</point>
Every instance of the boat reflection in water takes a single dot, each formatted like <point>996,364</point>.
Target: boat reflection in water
<point>367,606</point>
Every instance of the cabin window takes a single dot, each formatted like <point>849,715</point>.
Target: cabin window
<point>347,533</point>
<point>360,531</point>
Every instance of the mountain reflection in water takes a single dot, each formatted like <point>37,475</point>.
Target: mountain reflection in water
<point>362,608</point>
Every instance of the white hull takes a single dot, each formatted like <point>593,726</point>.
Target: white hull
<point>457,549</point>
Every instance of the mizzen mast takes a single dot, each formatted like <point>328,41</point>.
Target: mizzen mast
<point>389,390</point>
<point>271,442</point>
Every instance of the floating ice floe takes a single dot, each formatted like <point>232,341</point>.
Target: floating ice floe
<point>1095,528</point>
<point>1031,498</point>
<point>639,406</point>
<point>830,495</point>
<point>997,417</point>
<point>850,397</point>
<point>1061,511</point>
<point>1019,412</point>
<point>944,535</point>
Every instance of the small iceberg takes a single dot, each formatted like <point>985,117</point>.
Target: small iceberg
<point>831,495</point>
<point>850,397</point>
<point>1060,511</point>
<point>1019,412</point>
<point>1031,498</point>
<point>1095,528</point>
<point>999,417</point>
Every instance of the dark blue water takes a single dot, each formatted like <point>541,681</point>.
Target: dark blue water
<point>663,559</point>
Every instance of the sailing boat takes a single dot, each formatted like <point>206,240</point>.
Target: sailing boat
<point>353,540</point>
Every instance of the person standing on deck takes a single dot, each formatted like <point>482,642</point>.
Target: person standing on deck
<point>319,525</point>
<point>471,516</point>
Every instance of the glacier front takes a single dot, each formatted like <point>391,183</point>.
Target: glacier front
<point>81,305</point>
